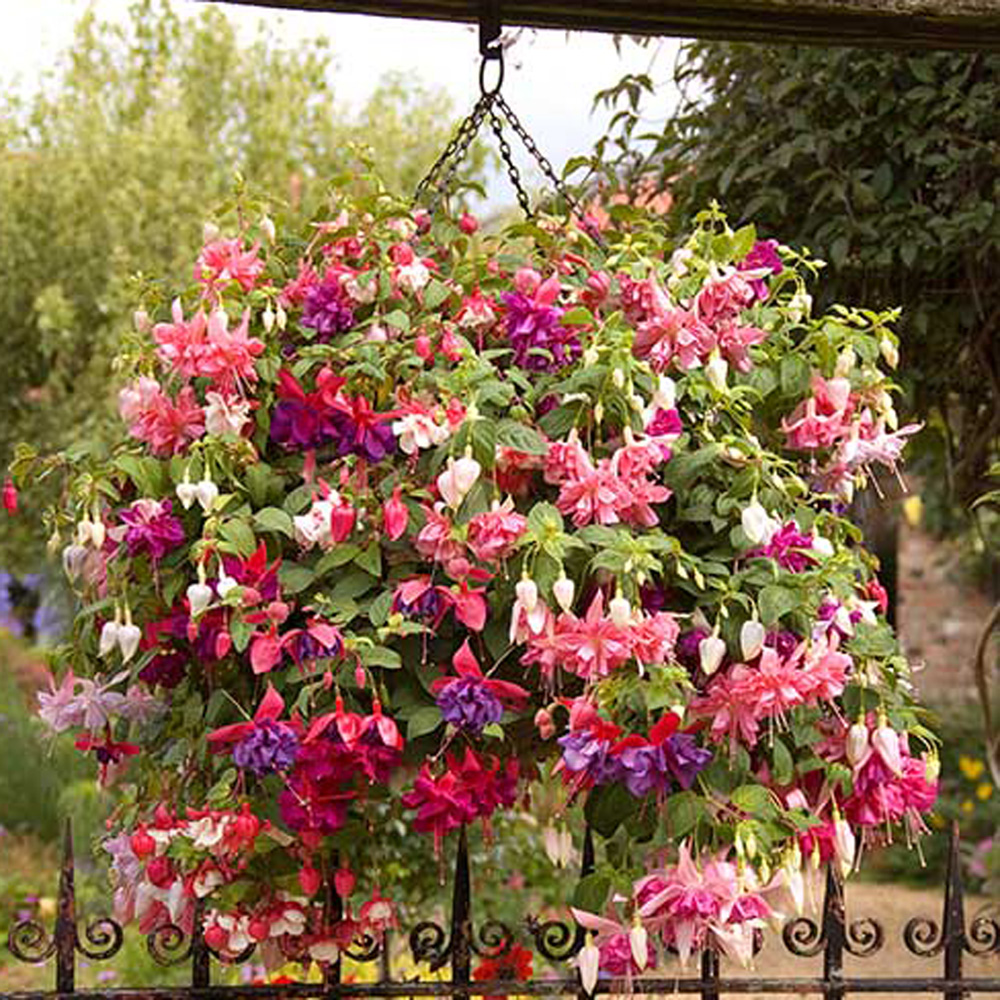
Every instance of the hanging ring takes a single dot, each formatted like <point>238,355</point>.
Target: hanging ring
<point>492,54</point>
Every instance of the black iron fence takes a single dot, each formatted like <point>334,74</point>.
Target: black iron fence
<point>436,947</point>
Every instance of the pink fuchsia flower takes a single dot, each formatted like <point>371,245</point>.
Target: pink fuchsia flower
<point>787,547</point>
<point>472,701</point>
<point>736,702</point>
<point>417,428</point>
<point>226,415</point>
<point>823,418</point>
<point>599,495</point>
<point>223,261</point>
<point>493,535</point>
<point>478,312</point>
<point>670,335</point>
<point>614,943</point>
<point>395,516</point>
<point>151,529</point>
<point>592,646</point>
<point>59,707</point>
<point>168,427</point>
<point>722,298</point>
<point>566,460</point>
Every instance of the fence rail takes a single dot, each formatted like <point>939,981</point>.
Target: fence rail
<point>832,936</point>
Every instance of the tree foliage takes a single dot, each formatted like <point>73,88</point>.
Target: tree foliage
<point>140,126</point>
<point>883,163</point>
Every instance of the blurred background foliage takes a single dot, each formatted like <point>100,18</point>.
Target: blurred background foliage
<point>109,168</point>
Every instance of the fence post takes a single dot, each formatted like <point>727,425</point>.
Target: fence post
<point>461,919</point>
<point>201,957</point>
<point>833,936</point>
<point>66,918</point>
<point>953,920</point>
<point>709,974</point>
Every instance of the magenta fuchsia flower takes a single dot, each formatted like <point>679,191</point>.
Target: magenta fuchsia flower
<point>151,529</point>
<point>788,547</point>
<point>541,343</point>
<point>763,260</point>
<point>327,309</point>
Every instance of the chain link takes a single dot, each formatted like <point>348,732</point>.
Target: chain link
<point>454,153</point>
<point>506,154</point>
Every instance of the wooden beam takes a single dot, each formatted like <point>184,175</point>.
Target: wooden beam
<point>971,25</point>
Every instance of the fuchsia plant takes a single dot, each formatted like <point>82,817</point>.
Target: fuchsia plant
<point>404,520</point>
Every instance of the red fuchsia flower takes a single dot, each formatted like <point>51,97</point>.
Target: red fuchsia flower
<point>151,529</point>
<point>395,516</point>
<point>477,314</point>
<point>258,579</point>
<point>514,470</point>
<point>513,965</point>
<point>740,699</point>
<point>472,701</point>
<point>168,427</point>
<point>9,496</point>
<point>493,535</point>
<point>223,261</point>
<point>363,431</point>
<point>304,420</point>
<point>823,418</point>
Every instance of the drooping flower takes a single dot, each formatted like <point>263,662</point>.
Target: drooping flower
<point>472,701</point>
<point>327,309</point>
<point>151,529</point>
<point>264,744</point>
<point>222,261</point>
<point>167,426</point>
<point>541,343</point>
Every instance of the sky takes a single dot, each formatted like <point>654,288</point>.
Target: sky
<point>551,76</point>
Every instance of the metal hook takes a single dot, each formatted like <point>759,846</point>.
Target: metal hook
<point>493,54</point>
<point>489,30</point>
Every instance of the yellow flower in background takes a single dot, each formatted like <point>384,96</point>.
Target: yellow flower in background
<point>970,767</point>
<point>983,791</point>
<point>967,806</point>
<point>913,508</point>
<point>938,821</point>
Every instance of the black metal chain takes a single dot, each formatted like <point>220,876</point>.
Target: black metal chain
<point>507,156</point>
<point>439,178</point>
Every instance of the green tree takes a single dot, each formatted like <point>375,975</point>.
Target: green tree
<point>883,163</point>
<point>142,125</point>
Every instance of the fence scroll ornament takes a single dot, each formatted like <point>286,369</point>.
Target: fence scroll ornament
<point>834,935</point>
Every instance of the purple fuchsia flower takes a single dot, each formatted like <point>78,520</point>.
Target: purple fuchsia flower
<point>327,309</point>
<point>151,529</point>
<point>534,328</point>
<point>304,425</point>
<point>264,744</point>
<point>364,431</point>
<point>167,669</point>
<point>688,653</point>
<point>472,701</point>
<point>272,746</point>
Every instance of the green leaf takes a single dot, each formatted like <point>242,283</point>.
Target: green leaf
<point>755,800</point>
<point>685,810</point>
<point>276,520</point>
<point>423,721</point>
<point>511,434</point>
<point>378,611</point>
<point>339,555</point>
<point>608,806</point>
<point>295,578</point>
<point>380,656</point>
<point>370,559</point>
<point>775,601</point>
<point>784,766</point>
<point>576,316</point>
<point>591,892</point>
<point>434,294</point>
<point>240,534</point>
<point>398,319</point>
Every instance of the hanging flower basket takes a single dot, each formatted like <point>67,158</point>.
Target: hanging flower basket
<point>405,518</point>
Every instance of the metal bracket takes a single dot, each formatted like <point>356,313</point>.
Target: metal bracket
<point>489,29</point>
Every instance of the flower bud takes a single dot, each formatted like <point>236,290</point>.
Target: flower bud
<point>207,493</point>
<point>344,882</point>
<point>846,362</point>
<point>267,227</point>
<point>342,519</point>
<point>187,492</point>
<point>267,318</point>
<point>140,319</point>
<point>563,590</point>
<point>73,558</point>
<point>129,636</point>
<point>618,378</point>
<point>757,524</point>
<point>209,232</point>
<point>309,880</point>
<point>638,939</point>
<point>199,597</point>
<point>468,223</point>
<point>108,641</point>
<point>751,639</point>
<point>711,650</point>
<point>395,516</point>
<point>844,844</point>
<point>716,371</point>
<point>527,593</point>
<point>889,352</point>
<point>545,724</point>
<point>589,963</point>
<point>885,741</point>
<point>858,745</point>
<point>281,317</point>
<point>143,844</point>
<point>621,610</point>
